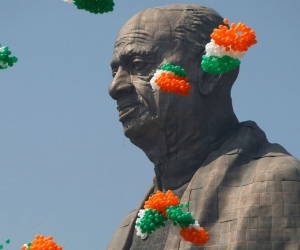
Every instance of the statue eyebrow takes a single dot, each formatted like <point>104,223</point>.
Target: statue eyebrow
<point>126,55</point>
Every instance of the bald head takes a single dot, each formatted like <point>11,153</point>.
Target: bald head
<point>188,24</point>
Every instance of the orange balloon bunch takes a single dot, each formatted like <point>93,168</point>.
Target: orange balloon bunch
<point>159,201</point>
<point>169,82</point>
<point>42,243</point>
<point>198,237</point>
<point>238,37</point>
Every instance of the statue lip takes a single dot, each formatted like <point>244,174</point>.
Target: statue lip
<point>128,110</point>
<point>127,105</point>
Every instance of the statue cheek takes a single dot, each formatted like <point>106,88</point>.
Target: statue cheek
<point>146,96</point>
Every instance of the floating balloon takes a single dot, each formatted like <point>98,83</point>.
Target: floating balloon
<point>212,49</point>
<point>170,78</point>
<point>42,243</point>
<point>160,201</point>
<point>5,58</point>
<point>94,6</point>
<point>7,241</point>
<point>237,37</point>
<point>158,208</point>
<point>177,70</point>
<point>226,47</point>
<point>177,216</point>
<point>149,220</point>
<point>196,236</point>
<point>219,65</point>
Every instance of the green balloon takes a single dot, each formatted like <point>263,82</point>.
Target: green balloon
<point>151,221</point>
<point>176,215</point>
<point>219,65</point>
<point>95,6</point>
<point>177,70</point>
<point>5,58</point>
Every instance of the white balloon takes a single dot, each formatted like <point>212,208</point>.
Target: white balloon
<point>213,49</point>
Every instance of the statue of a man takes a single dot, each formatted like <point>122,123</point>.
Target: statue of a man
<point>242,189</point>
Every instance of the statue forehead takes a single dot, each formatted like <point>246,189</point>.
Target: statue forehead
<point>154,23</point>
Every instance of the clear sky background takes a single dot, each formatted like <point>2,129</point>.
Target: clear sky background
<point>66,169</point>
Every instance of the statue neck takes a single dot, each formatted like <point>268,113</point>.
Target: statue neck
<point>178,147</point>
<point>174,174</point>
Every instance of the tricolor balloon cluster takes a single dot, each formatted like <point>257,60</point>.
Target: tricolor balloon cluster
<point>94,6</point>
<point>42,243</point>
<point>159,208</point>
<point>227,46</point>
<point>5,58</point>
<point>170,78</point>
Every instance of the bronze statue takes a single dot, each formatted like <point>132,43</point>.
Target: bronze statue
<point>241,188</point>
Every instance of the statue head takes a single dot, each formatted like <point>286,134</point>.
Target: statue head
<point>168,126</point>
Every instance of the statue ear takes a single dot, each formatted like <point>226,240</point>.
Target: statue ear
<point>208,82</point>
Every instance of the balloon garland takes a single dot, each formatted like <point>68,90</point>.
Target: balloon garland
<point>227,46</point>
<point>94,6</point>
<point>42,243</point>
<point>170,78</point>
<point>5,58</point>
<point>159,208</point>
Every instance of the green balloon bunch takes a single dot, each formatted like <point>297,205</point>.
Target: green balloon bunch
<point>95,6</point>
<point>219,65</point>
<point>177,70</point>
<point>5,58</point>
<point>151,221</point>
<point>177,216</point>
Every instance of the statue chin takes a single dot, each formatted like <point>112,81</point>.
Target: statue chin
<point>131,131</point>
<point>141,128</point>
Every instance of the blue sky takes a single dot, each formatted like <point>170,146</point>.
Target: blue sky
<point>66,168</point>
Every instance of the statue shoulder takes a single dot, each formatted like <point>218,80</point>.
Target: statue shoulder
<point>122,236</point>
<point>282,167</point>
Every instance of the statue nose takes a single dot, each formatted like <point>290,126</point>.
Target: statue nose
<point>121,84</point>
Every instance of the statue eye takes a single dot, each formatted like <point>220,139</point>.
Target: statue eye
<point>114,72</point>
<point>138,64</point>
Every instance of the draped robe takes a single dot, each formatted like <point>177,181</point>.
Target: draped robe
<point>245,194</point>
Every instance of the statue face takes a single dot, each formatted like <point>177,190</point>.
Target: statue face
<point>169,126</point>
<point>144,44</point>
